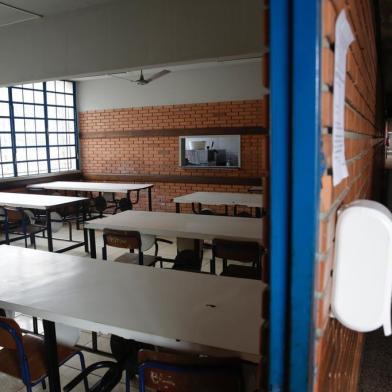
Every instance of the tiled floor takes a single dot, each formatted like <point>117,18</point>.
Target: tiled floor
<point>71,368</point>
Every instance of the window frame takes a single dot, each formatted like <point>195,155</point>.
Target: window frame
<point>71,145</point>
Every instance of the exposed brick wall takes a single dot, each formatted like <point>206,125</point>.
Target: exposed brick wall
<point>159,155</point>
<point>364,151</point>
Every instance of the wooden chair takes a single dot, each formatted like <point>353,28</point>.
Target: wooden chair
<point>187,260</point>
<point>23,356</point>
<point>19,222</point>
<point>174,372</point>
<point>246,252</point>
<point>132,240</point>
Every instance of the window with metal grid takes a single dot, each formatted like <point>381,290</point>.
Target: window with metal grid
<point>38,129</point>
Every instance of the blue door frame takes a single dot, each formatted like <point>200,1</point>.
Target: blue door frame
<point>295,186</point>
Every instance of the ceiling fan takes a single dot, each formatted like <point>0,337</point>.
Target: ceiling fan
<point>142,81</point>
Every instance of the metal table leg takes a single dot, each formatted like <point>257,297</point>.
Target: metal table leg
<point>49,230</point>
<point>149,199</point>
<point>178,208</point>
<point>51,356</point>
<point>93,250</point>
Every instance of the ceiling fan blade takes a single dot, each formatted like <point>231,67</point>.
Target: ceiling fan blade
<point>158,75</point>
<point>120,77</point>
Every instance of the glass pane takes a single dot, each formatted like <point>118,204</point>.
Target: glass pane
<point>21,154</point>
<point>20,139</point>
<point>18,110</point>
<point>71,138</point>
<point>38,86</point>
<point>43,167</point>
<point>70,126</point>
<point>29,110</point>
<point>33,167</point>
<point>17,95</point>
<point>71,151</point>
<point>30,139</point>
<point>22,169</point>
<point>3,94</point>
<point>70,114</point>
<point>28,85</point>
<point>60,99</point>
<point>39,111</point>
<point>31,154</point>
<point>59,86</point>
<point>68,87</point>
<point>69,100</point>
<point>51,98</point>
<point>52,126</point>
<point>54,152</point>
<point>41,153</point>
<point>52,113</point>
<point>61,126</point>
<point>62,138</point>
<point>5,125</point>
<point>41,139</point>
<point>4,109</point>
<point>63,152</point>
<point>40,125</point>
<point>63,165</point>
<point>38,97</point>
<point>50,85</point>
<point>54,165</point>
<point>72,164</point>
<point>28,96</point>
<point>19,125</point>
<point>5,140</point>
<point>53,139</point>
<point>6,155</point>
<point>30,125</point>
<point>60,112</point>
<point>8,170</point>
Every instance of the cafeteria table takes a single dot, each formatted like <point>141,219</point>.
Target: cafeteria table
<point>45,203</point>
<point>220,199</point>
<point>174,225</point>
<point>101,187</point>
<point>168,308</point>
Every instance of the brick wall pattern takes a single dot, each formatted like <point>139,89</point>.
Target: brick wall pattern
<point>337,349</point>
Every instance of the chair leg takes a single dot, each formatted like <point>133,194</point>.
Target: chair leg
<point>43,383</point>
<point>104,253</point>
<point>127,381</point>
<point>32,239</point>
<point>83,367</point>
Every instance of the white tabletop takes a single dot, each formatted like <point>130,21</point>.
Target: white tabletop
<point>168,224</point>
<point>90,186</point>
<point>133,301</point>
<point>38,202</point>
<point>222,198</point>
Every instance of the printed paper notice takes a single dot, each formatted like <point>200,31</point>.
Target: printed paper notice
<point>343,38</point>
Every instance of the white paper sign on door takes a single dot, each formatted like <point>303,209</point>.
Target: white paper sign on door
<point>343,38</point>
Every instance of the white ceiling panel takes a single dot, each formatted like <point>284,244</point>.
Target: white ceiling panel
<point>47,7</point>
<point>10,15</point>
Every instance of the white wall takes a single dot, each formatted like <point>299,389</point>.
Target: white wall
<point>129,34</point>
<point>214,84</point>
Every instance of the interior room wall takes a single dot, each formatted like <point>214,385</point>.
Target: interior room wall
<point>144,139</point>
<point>338,350</point>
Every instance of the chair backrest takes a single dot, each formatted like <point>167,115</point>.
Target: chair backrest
<point>125,204</point>
<point>100,203</point>
<point>122,239</point>
<point>9,329</point>
<point>243,251</point>
<point>15,214</point>
<point>171,372</point>
<point>187,260</point>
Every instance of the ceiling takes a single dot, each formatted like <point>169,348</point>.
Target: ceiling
<point>18,11</point>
